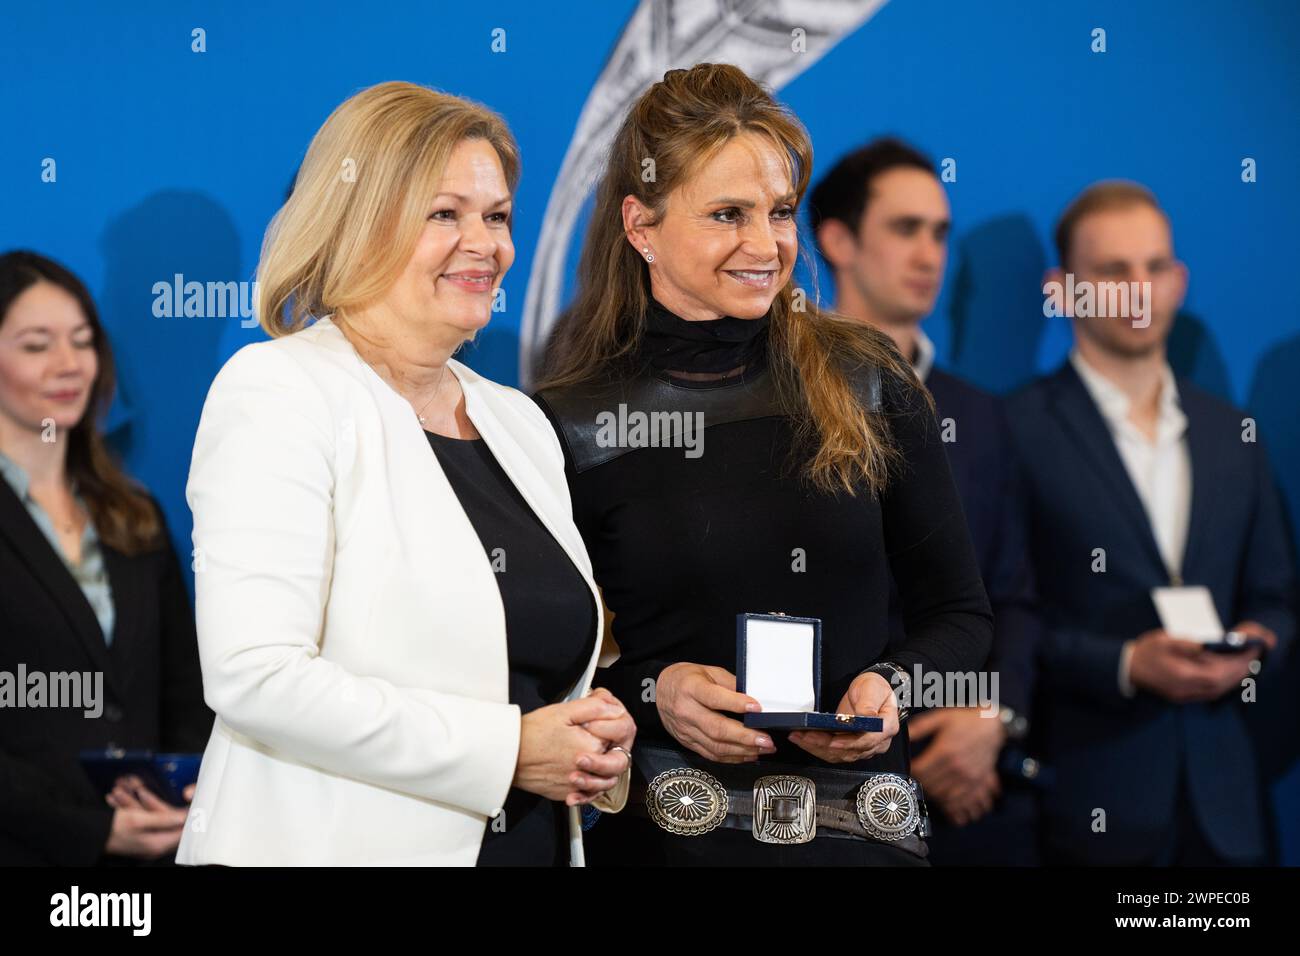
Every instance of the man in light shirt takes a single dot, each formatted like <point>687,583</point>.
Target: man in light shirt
<point>882,221</point>
<point>1137,480</point>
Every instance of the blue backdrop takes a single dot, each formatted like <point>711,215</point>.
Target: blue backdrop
<point>167,160</point>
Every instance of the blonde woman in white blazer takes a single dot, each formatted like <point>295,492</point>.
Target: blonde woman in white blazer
<point>352,628</point>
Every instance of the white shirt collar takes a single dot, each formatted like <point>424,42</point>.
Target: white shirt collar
<point>1113,403</point>
<point>924,355</point>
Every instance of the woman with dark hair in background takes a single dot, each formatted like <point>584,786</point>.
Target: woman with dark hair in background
<point>92,587</point>
<point>822,475</point>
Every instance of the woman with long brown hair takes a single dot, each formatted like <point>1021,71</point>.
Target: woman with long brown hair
<point>802,469</point>
<point>92,588</point>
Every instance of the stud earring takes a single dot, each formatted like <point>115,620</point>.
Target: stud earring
<point>649,256</point>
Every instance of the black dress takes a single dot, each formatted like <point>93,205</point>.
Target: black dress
<point>550,631</point>
<point>681,543</point>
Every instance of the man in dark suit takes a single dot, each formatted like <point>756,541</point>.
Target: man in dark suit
<point>1137,480</point>
<point>881,220</point>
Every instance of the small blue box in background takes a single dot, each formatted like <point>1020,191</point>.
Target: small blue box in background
<point>166,775</point>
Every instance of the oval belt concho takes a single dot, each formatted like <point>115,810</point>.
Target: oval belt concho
<point>687,802</point>
<point>887,807</point>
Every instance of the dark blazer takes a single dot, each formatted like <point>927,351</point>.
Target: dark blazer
<point>983,470</point>
<point>1123,755</point>
<point>987,481</point>
<point>152,688</point>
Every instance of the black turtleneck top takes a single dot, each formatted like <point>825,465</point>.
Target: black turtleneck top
<point>671,343</point>
<point>681,543</point>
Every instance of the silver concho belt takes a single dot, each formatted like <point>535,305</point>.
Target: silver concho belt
<point>785,809</point>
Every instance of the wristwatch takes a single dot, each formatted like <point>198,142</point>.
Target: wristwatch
<point>1016,725</point>
<point>899,680</point>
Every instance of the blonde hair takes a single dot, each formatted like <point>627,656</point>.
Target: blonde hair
<point>360,200</point>
<point>682,121</point>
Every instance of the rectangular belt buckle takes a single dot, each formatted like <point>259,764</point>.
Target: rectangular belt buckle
<point>785,809</point>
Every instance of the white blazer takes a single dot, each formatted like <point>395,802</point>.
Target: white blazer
<point>351,631</point>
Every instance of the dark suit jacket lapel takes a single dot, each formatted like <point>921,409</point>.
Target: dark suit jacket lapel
<point>1080,415</point>
<point>28,540</point>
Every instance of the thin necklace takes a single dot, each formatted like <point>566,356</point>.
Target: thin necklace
<point>420,414</point>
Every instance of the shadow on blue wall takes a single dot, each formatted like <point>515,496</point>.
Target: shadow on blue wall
<point>997,305</point>
<point>1194,354</point>
<point>164,364</point>
<point>494,353</point>
<point>1272,400</point>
